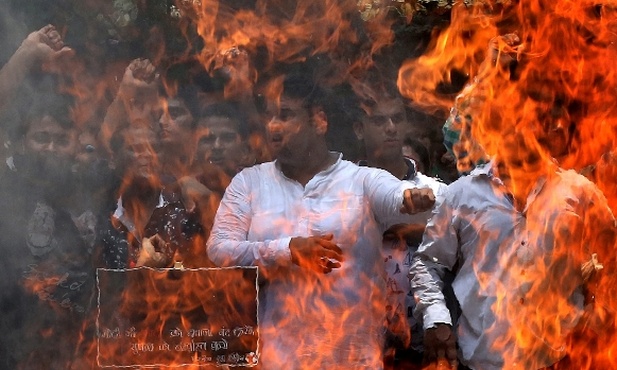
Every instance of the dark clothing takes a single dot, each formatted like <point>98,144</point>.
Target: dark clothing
<point>121,241</point>
<point>46,278</point>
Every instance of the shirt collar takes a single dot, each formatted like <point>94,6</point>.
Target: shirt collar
<point>120,212</point>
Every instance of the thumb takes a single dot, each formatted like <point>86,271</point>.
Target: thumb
<point>188,202</point>
<point>65,52</point>
<point>329,236</point>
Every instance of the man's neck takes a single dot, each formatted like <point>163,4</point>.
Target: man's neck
<point>314,162</point>
<point>397,166</point>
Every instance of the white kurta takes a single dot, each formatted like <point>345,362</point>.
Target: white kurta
<point>311,320</point>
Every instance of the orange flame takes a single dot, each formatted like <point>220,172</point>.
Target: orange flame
<point>556,91</point>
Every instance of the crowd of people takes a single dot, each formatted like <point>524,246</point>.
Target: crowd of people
<point>414,269</point>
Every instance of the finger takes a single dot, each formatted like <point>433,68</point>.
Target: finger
<point>44,38</point>
<point>423,200</point>
<point>147,246</point>
<point>328,245</point>
<point>332,254</point>
<point>54,36</point>
<point>408,205</point>
<point>188,202</point>
<point>327,236</point>
<point>64,52</point>
<point>333,264</point>
<point>47,28</point>
<point>511,39</point>
<point>158,242</point>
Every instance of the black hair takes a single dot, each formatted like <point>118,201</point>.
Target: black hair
<point>52,104</point>
<point>300,84</point>
<point>231,110</point>
<point>418,147</point>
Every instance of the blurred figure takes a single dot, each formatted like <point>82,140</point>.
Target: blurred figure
<point>501,59</point>
<point>380,128</point>
<point>309,221</point>
<point>94,183</point>
<point>137,100</point>
<point>47,277</point>
<point>177,125</point>
<point>521,236</point>
<point>146,211</point>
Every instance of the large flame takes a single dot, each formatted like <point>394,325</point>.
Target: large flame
<point>557,90</point>
<point>560,91</point>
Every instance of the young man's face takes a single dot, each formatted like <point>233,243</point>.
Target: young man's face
<point>138,157</point>
<point>383,129</point>
<point>49,148</point>
<point>219,142</point>
<point>290,131</point>
<point>175,122</point>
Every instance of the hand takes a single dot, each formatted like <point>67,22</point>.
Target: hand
<point>45,44</point>
<point>152,252</point>
<point>140,76</point>
<point>505,49</point>
<point>410,234</point>
<point>440,344</point>
<point>417,200</point>
<point>317,253</point>
<point>237,68</point>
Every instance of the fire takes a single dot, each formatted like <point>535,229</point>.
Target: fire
<point>558,90</point>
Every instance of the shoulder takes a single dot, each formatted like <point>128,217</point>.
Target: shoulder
<point>578,184</point>
<point>423,181</point>
<point>256,171</point>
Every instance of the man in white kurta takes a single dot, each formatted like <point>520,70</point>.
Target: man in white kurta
<point>305,316</point>
<point>312,223</point>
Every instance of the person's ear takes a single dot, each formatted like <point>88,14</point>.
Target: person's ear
<point>321,122</point>
<point>358,129</point>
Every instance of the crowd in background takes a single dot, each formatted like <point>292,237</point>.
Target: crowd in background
<point>141,182</point>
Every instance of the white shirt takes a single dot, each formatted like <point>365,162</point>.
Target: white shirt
<point>311,320</point>
<point>397,259</point>
<point>518,279</point>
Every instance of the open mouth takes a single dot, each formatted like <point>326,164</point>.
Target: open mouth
<point>276,140</point>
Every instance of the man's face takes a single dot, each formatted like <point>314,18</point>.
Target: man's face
<point>144,108</point>
<point>138,157</point>
<point>220,143</point>
<point>289,130</point>
<point>383,129</point>
<point>49,148</point>
<point>175,123</point>
<point>517,159</point>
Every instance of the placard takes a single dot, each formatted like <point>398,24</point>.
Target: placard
<point>177,317</point>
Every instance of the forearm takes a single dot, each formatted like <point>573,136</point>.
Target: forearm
<point>427,285</point>
<point>14,72</point>
<point>228,252</point>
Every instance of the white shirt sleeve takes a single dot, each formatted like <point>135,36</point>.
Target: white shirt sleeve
<point>228,244</point>
<point>437,254</point>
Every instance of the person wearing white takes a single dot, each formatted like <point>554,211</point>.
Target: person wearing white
<point>312,222</point>
<point>516,256</point>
